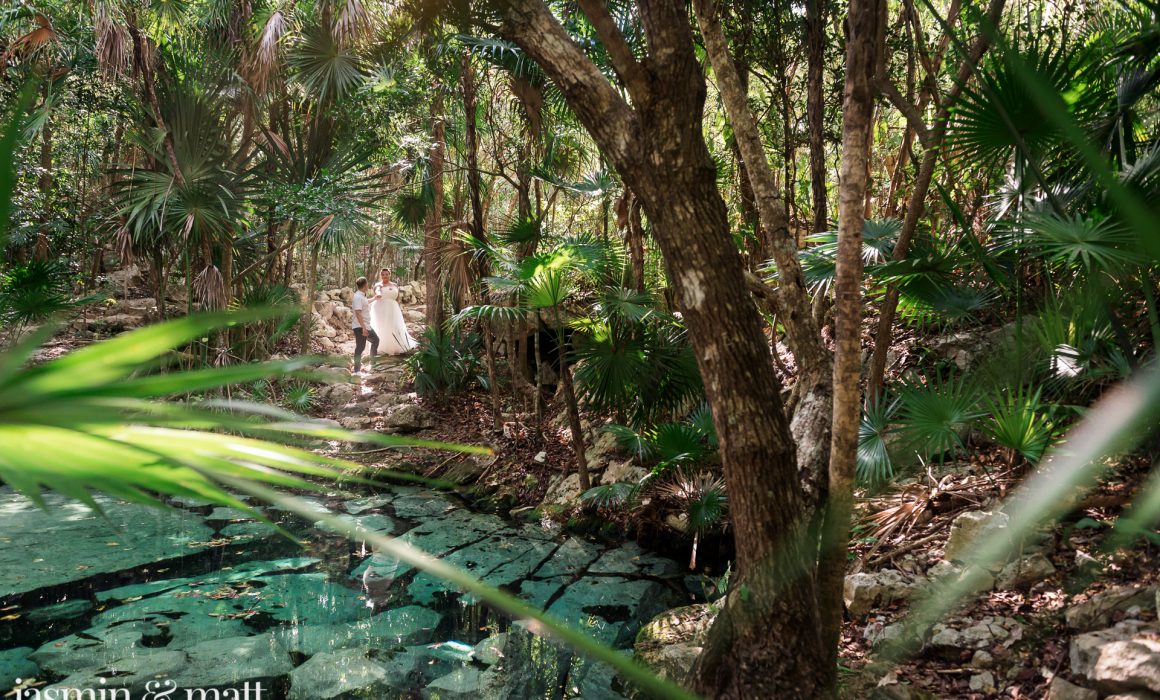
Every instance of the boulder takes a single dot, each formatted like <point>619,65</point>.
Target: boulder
<point>1063,690</point>
<point>1024,572</point>
<point>971,527</point>
<point>324,309</point>
<point>563,490</point>
<point>230,662</point>
<point>409,418</point>
<point>1084,651</point>
<point>671,642</point>
<point>1129,665</point>
<point>490,650</point>
<point>1098,611</point>
<point>622,471</point>
<point>320,327</point>
<point>864,590</point>
<point>339,674</point>
<point>983,682</point>
<point>603,446</point>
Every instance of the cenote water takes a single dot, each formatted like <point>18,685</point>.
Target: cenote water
<point>198,597</point>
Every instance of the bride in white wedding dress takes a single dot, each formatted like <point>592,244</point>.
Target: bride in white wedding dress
<point>387,318</point>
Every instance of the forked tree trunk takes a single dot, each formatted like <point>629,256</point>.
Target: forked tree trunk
<point>810,426</point>
<point>858,109</point>
<point>765,641</point>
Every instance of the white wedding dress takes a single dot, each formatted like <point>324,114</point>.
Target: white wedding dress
<point>388,323</point>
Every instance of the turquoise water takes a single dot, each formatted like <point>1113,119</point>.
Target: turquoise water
<point>152,603</point>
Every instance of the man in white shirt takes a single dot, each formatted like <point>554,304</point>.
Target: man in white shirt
<point>360,321</point>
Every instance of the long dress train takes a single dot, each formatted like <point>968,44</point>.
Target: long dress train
<point>388,323</point>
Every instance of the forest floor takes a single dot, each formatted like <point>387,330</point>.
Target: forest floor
<point>1016,639</point>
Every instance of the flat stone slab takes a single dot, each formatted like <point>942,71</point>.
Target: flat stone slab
<point>404,626</point>
<point>571,559</point>
<point>630,560</point>
<point>422,505</point>
<point>339,674</point>
<point>243,572</point>
<point>69,542</point>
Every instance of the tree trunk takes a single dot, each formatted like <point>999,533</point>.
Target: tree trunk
<point>40,252</point>
<point>573,415</point>
<point>815,107</point>
<point>635,231</point>
<point>811,419</point>
<point>765,642</point>
<point>433,230</point>
<point>858,109</point>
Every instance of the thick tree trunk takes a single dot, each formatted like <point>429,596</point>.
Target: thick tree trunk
<point>764,643</point>
<point>433,229</point>
<point>858,109</point>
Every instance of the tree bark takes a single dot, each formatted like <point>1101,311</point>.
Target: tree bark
<point>858,108</point>
<point>40,251</point>
<point>764,643</point>
<point>815,108</point>
<point>811,419</point>
<point>433,229</point>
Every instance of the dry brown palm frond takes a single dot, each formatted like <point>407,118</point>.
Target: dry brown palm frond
<point>209,288</point>
<point>123,244</point>
<point>265,59</point>
<point>454,263</point>
<point>112,40</point>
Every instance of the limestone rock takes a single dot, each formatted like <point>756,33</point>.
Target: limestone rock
<point>603,446</point>
<point>671,642</point>
<point>409,418</point>
<point>1098,611</point>
<point>1084,651</point>
<point>131,673</point>
<point>1024,572</point>
<point>339,674</point>
<point>970,528</point>
<point>1130,664</point>
<point>1063,690</point>
<point>623,471</point>
<point>14,663</point>
<point>461,684</point>
<point>864,590</point>
<point>982,659</point>
<point>983,682</point>
<point>563,490</point>
<point>233,661</point>
<point>490,650</point>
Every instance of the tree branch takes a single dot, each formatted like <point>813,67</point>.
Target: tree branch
<point>623,61</point>
<point>614,126</point>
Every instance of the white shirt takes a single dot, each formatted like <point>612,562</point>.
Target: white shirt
<point>359,303</point>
